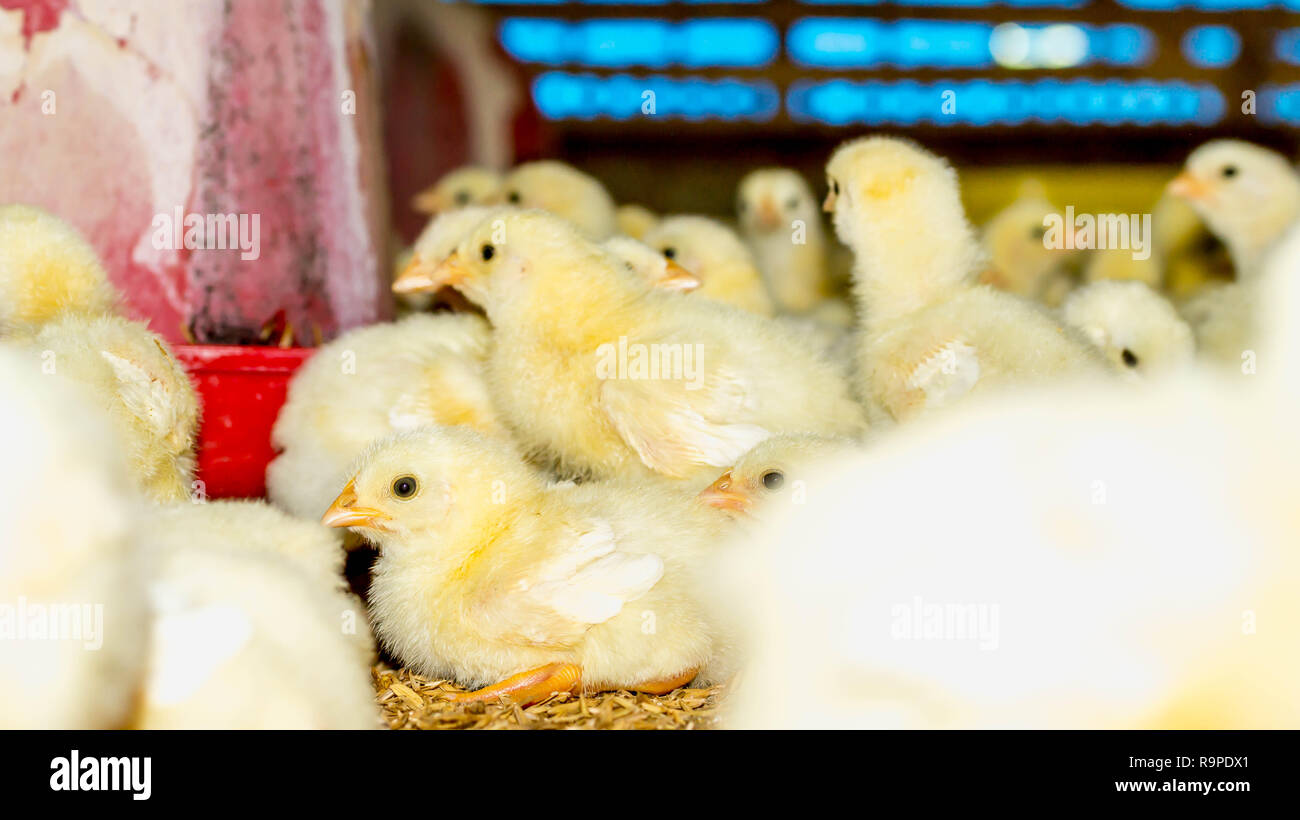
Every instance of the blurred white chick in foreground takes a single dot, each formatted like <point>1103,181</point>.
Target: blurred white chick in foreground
<point>564,191</point>
<point>465,186</point>
<point>929,334</point>
<point>714,253</point>
<point>635,220</point>
<point>597,374</point>
<point>134,376</point>
<point>487,577</point>
<point>776,470</point>
<point>1020,262</point>
<point>369,382</point>
<point>1135,327</point>
<point>72,613</point>
<point>47,270</point>
<point>779,218</point>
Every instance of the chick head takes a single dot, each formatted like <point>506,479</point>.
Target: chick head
<point>432,484</point>
<point>564,191</point>
<point>523,266</point>
<point>470,185</point>
<point>1247,194</point>
<point>1136,327</point>
<point>1021,261</point>
<point>660,271</point>
<point>770,199</point>
<point>776,468</point>
<point>713,252</point>
<point>47,269</point>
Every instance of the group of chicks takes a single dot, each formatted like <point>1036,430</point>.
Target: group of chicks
<point>546,524</point>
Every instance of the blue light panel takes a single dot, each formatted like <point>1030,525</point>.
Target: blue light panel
<point>1287,46</point>
<point>1209,5</point>
<point>1280,104</point>
<point>561,95</point>
<point>986,102</point>
<point>1211,46</point>
<point>861,43</point>
<point>616,43</point>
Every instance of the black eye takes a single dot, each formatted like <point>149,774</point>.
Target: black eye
<point>1229,171</point>
<point>488,252</point>
<point>791,204</point>
<point>773,479</point>
<point>835,187</point>
<point>462,197</point>
<point>405,487</point>
<point>1038,232</point>
<point>1130,358</point>
<point>513,197</point>
<point>670,253</point>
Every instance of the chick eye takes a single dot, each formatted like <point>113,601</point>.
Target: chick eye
<point>1038,232</point>
<point>670,253</point>
<point>835,187</point>
<point>513,197</point>
<point>1229,171</point>
<point>488,251</point>
<point>773,479</point>
<point>405,487</point>
<point>791,204</point>
<point>1130,358</point>
<point>462,197</point>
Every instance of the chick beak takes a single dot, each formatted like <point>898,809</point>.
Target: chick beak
<point>678,278</point>
<point>420,276</point>
<point>1187,186</point>
<point>828,205</point>
<point>426,202</point>
<point>723,495</point>
<point>991,276</point>
<point>769,218</point>
<point>344,512</point>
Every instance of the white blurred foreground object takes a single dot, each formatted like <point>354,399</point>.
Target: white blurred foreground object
<point>1082,558</point>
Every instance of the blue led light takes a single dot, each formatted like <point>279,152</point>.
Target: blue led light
<point>1280,104</point>
<point>623,43</point>
<point>1208,5</point>
<point>1287,46</point>
<point>560,95</point>
<point>989,102</point>
<point>1211,46</point>
<point>830,42</point>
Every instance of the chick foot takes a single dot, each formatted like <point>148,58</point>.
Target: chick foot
<point>527,688</point>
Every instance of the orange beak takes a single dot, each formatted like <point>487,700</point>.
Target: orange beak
<point>421,277</point>
<point>344,512</point>
<point>427,202</point>
<point>1187,186</point>
<point>678,278</point>
<point>828,205</point>
<point>723,495</point>
<point>991,276</point>
<point>769,218</point>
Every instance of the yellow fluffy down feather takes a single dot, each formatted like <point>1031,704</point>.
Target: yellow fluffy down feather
<point>133,375</point>
<point>369,382</point>
<point>779,218</point>
<point>47,270</point>
<point>72,615</point>
<point>713,252</point>
<point>565,191</point>
<point>930,335</point>
<point>1136,328</point>
<point>465,186</point>
<point>486,572</point>
<point>575,335</point>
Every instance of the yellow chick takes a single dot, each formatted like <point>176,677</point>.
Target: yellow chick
<point>564,191</point>
<point>369,382</point>
<point>488,577</point>
<point>648,263</point>
<point>1136,328</point>
<point>465,186</point>
<point>597,374</point>
<point>779,219</point>
<point>775,470</point>
<point>1248,195</point>
<point>435,243</point>
<point>1020,262</point>
<point>47,270</point>
<point>929,334</point>
<point>133,375</point>
<point>635,220</point>
<point>713,252</point>
<point>72,608</point>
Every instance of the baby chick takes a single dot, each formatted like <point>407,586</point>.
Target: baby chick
<point>778,468</point>
<point>650,264</point>
<point>72,608</point>
<point>435,243</point>
<point>369,382</point>
<point>47,270</point>
<point>779,219</point>
<point>635,220</point>
<point>489,578</point>
<point>564,191</point>
<point>714,253</point>
<point>1020,262</point>
<point>133,375</point>
<point>1247,194</point>
<point>597,374</point>
<point>1135,327</point>
<point>465,186</point>
<point>929,334</point>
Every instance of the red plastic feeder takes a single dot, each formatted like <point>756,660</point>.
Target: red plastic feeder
<point>241,390</point>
